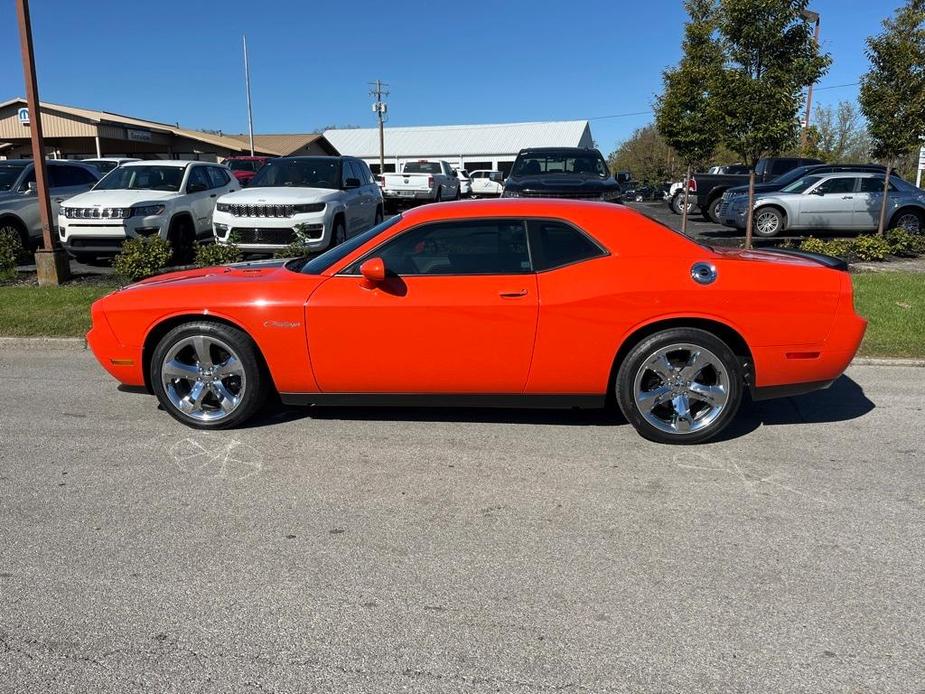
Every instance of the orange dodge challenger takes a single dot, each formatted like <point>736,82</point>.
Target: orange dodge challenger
<point>514,303</point>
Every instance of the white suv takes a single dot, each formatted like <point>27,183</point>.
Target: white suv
<point>329,199</point>
<point>170,199</point>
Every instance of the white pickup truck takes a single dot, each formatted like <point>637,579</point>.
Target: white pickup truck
<point>427,180</point>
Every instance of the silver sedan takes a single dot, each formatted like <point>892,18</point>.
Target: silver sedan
<point>842,201</point>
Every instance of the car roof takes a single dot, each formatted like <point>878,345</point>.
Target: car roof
<point>557,150</point>
<point>166,162</point>
<point>111,159</point>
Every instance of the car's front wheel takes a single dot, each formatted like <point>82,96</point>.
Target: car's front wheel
<point>682,385</point>
<point>208,375</point>
<point>768,222</point>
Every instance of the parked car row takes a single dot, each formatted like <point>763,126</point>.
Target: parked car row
<point>810,196</point>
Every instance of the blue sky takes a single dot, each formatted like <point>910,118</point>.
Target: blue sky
<point>446,62</point>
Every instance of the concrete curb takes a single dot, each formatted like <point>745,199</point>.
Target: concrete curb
<point>64,343</point>
<point>884,361</point>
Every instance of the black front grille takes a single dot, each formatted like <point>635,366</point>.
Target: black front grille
<point>84,242</point>
<point>273,236</point>
<point>569,195</point>
<point>261,210</point>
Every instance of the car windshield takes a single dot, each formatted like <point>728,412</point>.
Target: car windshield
<point>241,165</point>
<point>313,172</point>
<point>166,178</point>
<point>801,184</point>
<point>322,262</point>
<point>540,163</point>
<point>103,166</point>
<point>428,167</point>
<point>8,174</point>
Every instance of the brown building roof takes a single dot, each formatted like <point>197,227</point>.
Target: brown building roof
<point>285,144</point>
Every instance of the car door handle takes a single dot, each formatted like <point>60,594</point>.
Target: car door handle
<point>513,295</point>
<point>847,197</point>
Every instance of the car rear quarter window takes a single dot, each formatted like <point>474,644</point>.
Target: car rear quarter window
<point>556,244</point>
<point>874,185</point>
<point>470,247</point>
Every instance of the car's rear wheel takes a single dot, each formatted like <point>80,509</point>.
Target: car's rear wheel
<point>208,375</point>
<point>768,221</point>
<point>677,203</point>
<point>682,385</point>
<point>439,196</point>
<point>14,228</point>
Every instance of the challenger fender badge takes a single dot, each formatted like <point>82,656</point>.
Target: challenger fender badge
<point>280,324</point>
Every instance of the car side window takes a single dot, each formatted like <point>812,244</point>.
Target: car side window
<point>198,178</point>
<point>874,185</point>
<point>219,177</point>
<point>836,185</point>
<point>556,244</point>
<point>470,247</point>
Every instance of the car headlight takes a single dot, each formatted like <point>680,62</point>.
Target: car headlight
<point>223,207</point>
<point>510,194</point>
<point>309,207</point>
<point>147,211</point>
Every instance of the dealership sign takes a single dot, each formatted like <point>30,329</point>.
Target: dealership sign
<point>138,135</point>
<point>23,114</point>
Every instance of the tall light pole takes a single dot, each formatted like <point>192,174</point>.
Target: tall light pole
<point>51,263</point>
<point>247,87</point>
<point>810,17</point>
<point>380,108</point>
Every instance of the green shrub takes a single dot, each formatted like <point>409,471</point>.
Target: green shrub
<point>813,245</point>
<point>142,257</point>
<point>10,251</point>
<point>840,248</point>
<point>216,254</point>
<point>904,243</point>
<point>871,248</point>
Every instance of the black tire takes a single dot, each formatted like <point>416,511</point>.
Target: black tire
<point>377,220</point>
<point>439,196</point>
<point>256,381</point>
<point>339,233</point>
<point>677,203</point>
<point>712,212</point>
<point>181,236</point>
<point>700,413</point>
<point>11,225</point>
<point>772,227</point>
<point>905,217</point>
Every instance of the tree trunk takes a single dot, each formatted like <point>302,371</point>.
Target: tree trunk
<point>687,190</point>
<point>751,208</point>
<point>884,202</point>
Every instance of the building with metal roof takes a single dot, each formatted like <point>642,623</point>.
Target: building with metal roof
<point>72,132</point>
<point>470,147</point>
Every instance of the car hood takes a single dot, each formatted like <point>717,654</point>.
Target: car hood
<point>119,198</point>
<point>563,182</point>
<point>280,196</point>
<point>759,188</point>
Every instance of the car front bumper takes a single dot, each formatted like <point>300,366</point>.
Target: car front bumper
<point>103,236</point>
<point>270,234</point>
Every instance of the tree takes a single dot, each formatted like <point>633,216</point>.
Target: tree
<point>646,154</point>
<point>838,135</point>
<point>770,55</point>
<point>685,113</point>
<point>893,90</point>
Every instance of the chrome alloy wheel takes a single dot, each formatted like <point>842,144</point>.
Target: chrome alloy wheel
<point>203,378</point>
<point>681,388</point>
<point>767,223</point>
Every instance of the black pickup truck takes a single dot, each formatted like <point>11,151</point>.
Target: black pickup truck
<point>709,188</point>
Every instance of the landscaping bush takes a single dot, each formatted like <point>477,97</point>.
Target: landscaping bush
<point>10,251</point>
<point>870,248</point>
<point>813,245</point>
<point>142,257</point>
<point>904,243</point>
<point>216,254</point>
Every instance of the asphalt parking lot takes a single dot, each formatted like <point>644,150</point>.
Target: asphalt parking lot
<point>368,550</point>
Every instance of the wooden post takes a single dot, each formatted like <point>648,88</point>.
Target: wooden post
<point>751,208</point>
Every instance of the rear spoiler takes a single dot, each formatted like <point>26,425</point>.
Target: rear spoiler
<point>827,260</point>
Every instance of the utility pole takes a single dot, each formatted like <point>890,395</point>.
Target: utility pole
<point>380,108</point>
<point>810,16</point>
<point>51,263</point>
<point>247,86</point>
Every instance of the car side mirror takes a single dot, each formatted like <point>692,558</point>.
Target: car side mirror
<point>352,183</point>
<point>818,192</point>
<point>373,270</point>
<point>31,187</point>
